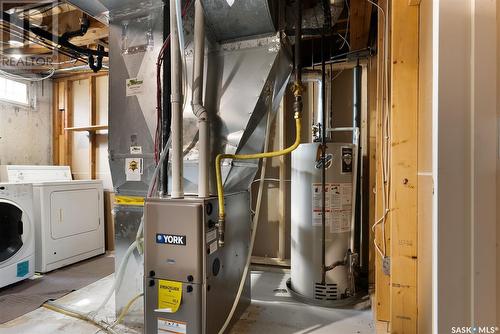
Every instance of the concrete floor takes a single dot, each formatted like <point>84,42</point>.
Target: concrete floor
<point>272,311</point>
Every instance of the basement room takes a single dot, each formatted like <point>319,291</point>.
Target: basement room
<point>249,166</point>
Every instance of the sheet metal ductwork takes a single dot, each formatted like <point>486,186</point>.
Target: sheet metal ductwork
<point>245,75</point>
<point>233,19</point>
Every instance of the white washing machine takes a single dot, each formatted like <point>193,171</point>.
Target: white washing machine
<point>68,214</point>
<point>17,233</point>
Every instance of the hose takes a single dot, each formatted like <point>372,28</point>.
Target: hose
<point>119,276</point>
<point>79,315</point>
<point>218,160</point>
<point>126,309</point>
<point>254,230</point>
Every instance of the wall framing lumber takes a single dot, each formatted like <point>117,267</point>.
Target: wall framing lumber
<point>404,166</point>
<point>68,122</point>
<point>92,121</point>
<point>56,123</point>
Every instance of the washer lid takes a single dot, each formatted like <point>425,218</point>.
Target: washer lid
<point>12,230</point>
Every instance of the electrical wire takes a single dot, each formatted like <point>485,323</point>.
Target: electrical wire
<point>386,138</point>
<point>345,41</point>
<point>347,27</point>
<point>159,64</point>
<point>30,79</point>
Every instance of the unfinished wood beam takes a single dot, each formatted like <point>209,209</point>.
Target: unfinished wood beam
<point>55,123</point>
<point>91,37</point>
<point>80,76</point>
<point>92,134</point>
<point>359,25</point>
<point>68,122</point>
<point>404,166</point>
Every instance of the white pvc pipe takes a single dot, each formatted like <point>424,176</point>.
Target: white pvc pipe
<point>176,101</point>
<point>197,100</point>
<point>315,76</point>
<point>178,13</point>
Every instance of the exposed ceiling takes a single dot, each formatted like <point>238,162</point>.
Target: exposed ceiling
<point>351,32</point>
<point>22,42</point>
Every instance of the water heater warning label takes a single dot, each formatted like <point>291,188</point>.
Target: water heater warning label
<point>338,206</point>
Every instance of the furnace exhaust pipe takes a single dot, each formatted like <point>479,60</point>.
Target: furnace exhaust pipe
<point>176,101</point>
<point>197,100</point>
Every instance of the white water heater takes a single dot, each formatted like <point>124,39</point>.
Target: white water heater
<point>307,226</point>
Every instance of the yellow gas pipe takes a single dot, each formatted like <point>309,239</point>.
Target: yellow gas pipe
<point>218,160</point>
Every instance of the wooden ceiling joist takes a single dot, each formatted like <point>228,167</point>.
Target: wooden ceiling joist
<point>359,23</point>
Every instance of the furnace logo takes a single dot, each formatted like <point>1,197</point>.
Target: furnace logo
<point>171,239</point>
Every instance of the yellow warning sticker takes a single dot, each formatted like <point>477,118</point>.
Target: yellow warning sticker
<point>169,296</point>
<point>129,200</point>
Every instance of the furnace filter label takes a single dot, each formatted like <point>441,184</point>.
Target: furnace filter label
<point>171,326</point>
<point>169,296</point>
<point>338,206</point>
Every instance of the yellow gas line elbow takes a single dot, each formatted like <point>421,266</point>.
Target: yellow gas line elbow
<point>218,162</point>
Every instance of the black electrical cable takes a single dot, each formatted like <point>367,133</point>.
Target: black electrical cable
<point>167,107</point>
<point>323,164</point>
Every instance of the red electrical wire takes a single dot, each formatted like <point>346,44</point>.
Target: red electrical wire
<point>159,109</point>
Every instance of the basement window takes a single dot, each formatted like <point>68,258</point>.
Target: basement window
<point>13,91</point>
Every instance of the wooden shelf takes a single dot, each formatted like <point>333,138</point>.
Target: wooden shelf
<point>90,128</point>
